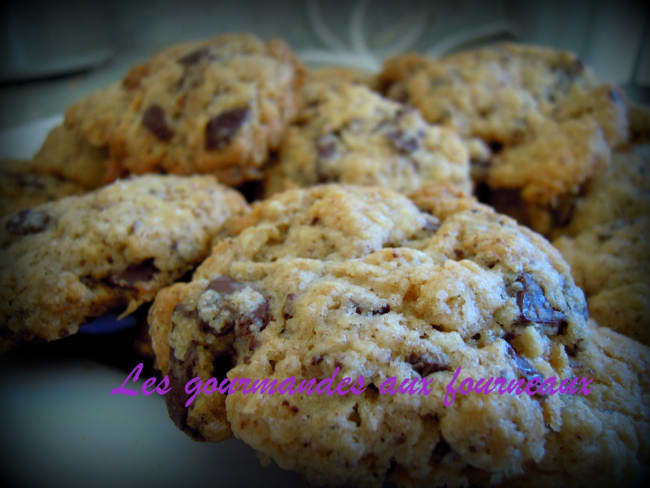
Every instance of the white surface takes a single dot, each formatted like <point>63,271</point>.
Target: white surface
<point>61,426</point>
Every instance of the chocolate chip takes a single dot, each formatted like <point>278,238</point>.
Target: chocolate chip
<point>260,315</point>
<point>495,146</point>
<point>292,408</point>
<point>196,56</point>
<point>141,272</point>
<point>154,120</point>
<point>383,309</point>
<point>508,336</point>
<point>27,222</point>
<point>522,364</point>
<point>431,225</point>
<point>425,366</point>
<point>180,372</point>
<point>220,130</point>
<point>440,451</point>
<point>287,308</point>
<point>225,285</point>
<point>360,309</point>
<point>326,146</point>
<point>574,69</point>
<point>317,359</point>
<point>533,305</point>
<point>562,327</point>
<point>403,142</point>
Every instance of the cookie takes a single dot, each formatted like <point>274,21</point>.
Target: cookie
<point>344,74</point>
<point>67,156</point>
<point>22,188</point>
<point>611,262</point>
<point>360,281</point>
<point>346,133</point>
<point>215,106</point>
<point>65,261</point>
<point>549,124</point>
<point>620,192</point>
<point>604,435</point>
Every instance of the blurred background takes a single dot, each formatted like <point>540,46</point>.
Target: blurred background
<point>53,53</point>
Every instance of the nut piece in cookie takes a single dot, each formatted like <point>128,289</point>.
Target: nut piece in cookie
<point>363,281</point>
<point>215,106</point>
<point>348,134</point>
<point>65,261</point>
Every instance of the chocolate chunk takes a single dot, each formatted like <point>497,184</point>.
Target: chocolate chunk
<point>225,285</point>
<point>196,56</point>
<point>495,146</point>
<point>154,120</point>
<point>403,142</point>
<point>522,364</point>
<point>326,146</point>
<point>180,372</point>
<point>27,222</point>
<point>431,225</point>
<point>424,366</point>
<point>317,359</point>
<point>574,69</point>
<point>360,309</point>
<point>440,451</point>
<point>533,305</point>
<point>141,272</point>
<point>259,315</point>
<point>292,408</point>
<point>220,130</point>
<point>383,309</point>
<point>287,308</point>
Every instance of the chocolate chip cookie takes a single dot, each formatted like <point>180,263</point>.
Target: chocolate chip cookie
<point>65,261</point>
<point>549,125</point>
<point>611,262</point>
<point>67,156</point>
<point>216,106</point>
<point>361,281</point>
<point>347,133</point>
<point>21,187</point>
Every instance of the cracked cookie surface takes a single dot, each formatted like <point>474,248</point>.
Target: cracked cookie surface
<point>348,134</point>
<point>65,261</point>
<point>549,125</point>
<point>214,106</point>
<point>362,279</point>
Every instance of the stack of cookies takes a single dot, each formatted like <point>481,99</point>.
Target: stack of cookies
<point>487,211</point>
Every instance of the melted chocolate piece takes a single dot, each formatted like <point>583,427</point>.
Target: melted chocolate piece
<point>431,225</point>
<point>424,366</point>
<point>440,451</point>
<point>27,222</point>
<point>225,285</point>
<point>533,305</point>
<point>180,372</point>
<point>220,130</point>
<point>522,364</point>
<point>141,272</point>
<point>403,142</point>
<point>154,120</point>
<point>287,308</point>
<point>195,57</point>
<point>326,146</point>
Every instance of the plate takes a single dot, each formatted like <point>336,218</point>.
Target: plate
<point>61,425</point>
